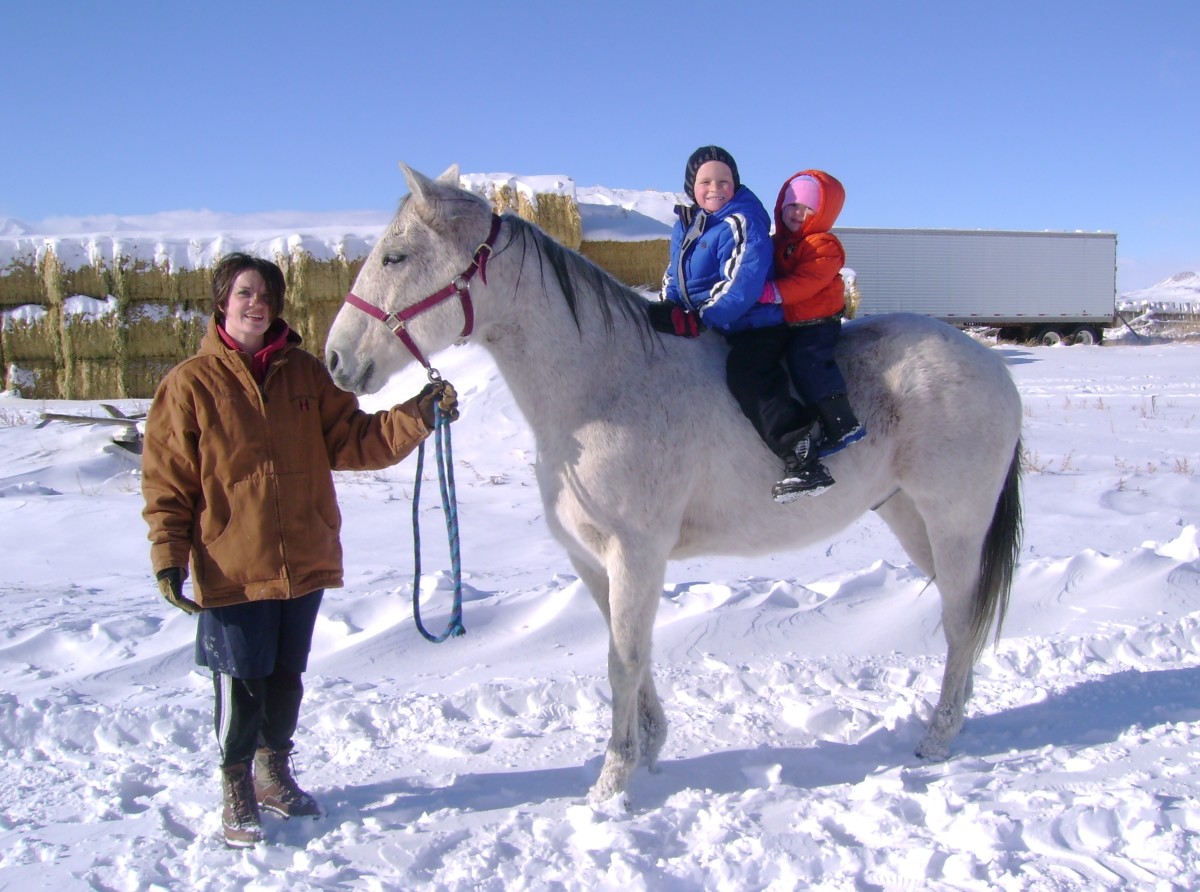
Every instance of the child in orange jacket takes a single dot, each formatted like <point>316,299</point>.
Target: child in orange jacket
<point>807,281</point>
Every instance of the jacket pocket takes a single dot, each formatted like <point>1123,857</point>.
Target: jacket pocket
<point>310,522</point>
<point>249,546</point>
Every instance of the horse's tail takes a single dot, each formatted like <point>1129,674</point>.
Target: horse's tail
<point>998,560</point>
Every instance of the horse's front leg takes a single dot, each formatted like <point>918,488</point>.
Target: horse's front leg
<point>651,720</point>
<point>634,587</point>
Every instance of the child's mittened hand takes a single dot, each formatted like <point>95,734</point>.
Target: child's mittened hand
<point>669,318</point>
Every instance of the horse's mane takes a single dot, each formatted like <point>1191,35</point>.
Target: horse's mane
<point>579,279</point>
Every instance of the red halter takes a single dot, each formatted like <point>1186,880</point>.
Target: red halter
<point>397,322</point>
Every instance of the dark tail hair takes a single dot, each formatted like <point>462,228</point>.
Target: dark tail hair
<point>998,560</point>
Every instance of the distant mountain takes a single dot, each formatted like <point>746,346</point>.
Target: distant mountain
<point>1182,289</point>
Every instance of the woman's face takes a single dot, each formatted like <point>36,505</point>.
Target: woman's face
<point>248,310</point>
<point>714,185</point>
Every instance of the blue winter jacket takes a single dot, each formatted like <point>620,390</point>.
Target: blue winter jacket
<point>722,261</point>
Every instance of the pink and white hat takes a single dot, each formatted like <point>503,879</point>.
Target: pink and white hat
<point>803,190</point>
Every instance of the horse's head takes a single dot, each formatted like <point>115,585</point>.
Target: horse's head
<point>432,240</point>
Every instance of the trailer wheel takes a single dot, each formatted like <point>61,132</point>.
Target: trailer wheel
<point>1051,337</point>
<point>1085,336</point>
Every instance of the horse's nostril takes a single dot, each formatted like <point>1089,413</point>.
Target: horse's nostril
<point>331,360</point>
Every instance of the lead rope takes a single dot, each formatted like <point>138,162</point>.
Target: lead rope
<point>445,466</point>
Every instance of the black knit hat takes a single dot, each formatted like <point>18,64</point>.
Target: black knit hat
<point>701,155</point>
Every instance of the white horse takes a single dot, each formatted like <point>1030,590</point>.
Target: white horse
<point>643,455</point>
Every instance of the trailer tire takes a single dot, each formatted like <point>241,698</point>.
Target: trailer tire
<point>1085,336</point>
<point>1051,337</point>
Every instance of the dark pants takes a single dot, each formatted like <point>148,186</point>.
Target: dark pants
<point>756,377</point>
<point>254,712</point>
<point>810,360</point>
<point>257,652</point>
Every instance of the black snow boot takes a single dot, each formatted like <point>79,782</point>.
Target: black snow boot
<point>839,426</point>
<point>803,474</point>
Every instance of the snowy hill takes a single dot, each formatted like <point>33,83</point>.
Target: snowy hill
<point>1180,293</point>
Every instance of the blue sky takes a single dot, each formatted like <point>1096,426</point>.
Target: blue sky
<point>1006,115</point>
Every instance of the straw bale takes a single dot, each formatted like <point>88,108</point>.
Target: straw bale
<point>33,379</point>
<point>91,280</point>
<point>21,282</point>
<point>84,338</point>
<point>92,379</point>
<point>310,280</point>
<point>319,320</point>
<point>638,264</point>
<point>853,298</point>
<point>504,198</point>
<point>193,323</point>
<point>141,377</point>
<point>194,285</point>
<point>142,280</point>
<point>32,337</point>
<point>558,216</point>
<point>153,329</point>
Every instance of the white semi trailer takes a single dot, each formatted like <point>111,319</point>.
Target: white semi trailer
<point>1052,287</point>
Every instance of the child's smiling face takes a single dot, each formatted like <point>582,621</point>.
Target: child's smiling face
<point>713,187</point>
<point>794,215</point>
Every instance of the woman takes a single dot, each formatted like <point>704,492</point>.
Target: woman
<point>241,442</point>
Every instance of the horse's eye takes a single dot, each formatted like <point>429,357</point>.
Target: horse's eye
<point>394,257</point>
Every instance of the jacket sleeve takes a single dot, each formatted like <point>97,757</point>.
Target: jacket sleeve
<point>745,257</point>
<point>170,476</point>
<point>366,441</point>
<point>670,287</point>
<point>821,261</point>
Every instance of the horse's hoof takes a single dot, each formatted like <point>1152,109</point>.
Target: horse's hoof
<point>932,750</point>
<point>609,803</point>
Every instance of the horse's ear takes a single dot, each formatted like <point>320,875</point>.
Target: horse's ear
<point>425,192</point>
<point>417,182</point>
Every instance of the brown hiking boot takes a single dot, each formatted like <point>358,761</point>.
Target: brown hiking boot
<point>275,788</point>
<point>239,819</point>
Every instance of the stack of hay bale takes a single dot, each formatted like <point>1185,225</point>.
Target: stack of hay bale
<point>105,316</point>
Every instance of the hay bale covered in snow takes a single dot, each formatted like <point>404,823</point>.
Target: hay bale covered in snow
<point>21,278</point>
<point>547,201</point>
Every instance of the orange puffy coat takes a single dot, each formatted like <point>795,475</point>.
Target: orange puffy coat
<point>808,263</point>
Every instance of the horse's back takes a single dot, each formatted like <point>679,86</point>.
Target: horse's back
<point>922,377</point>
<point>941,412</point>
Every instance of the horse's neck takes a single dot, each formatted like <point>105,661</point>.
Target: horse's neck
<point>560,372</point>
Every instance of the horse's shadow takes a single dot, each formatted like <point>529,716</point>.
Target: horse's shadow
<point>1095,712</point>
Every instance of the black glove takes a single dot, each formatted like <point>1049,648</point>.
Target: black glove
<point>670,318</point>
<point>439,393</point>
<point>170,583</point>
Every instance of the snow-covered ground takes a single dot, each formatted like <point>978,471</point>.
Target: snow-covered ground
<point>796,685</point>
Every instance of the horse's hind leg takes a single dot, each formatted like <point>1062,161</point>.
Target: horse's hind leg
<point>652,722</point>
<point>954,567</point>
<point>905,521</point>
<point>956,557</point>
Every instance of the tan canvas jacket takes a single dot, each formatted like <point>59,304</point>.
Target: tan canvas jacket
<point>238,480</point>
